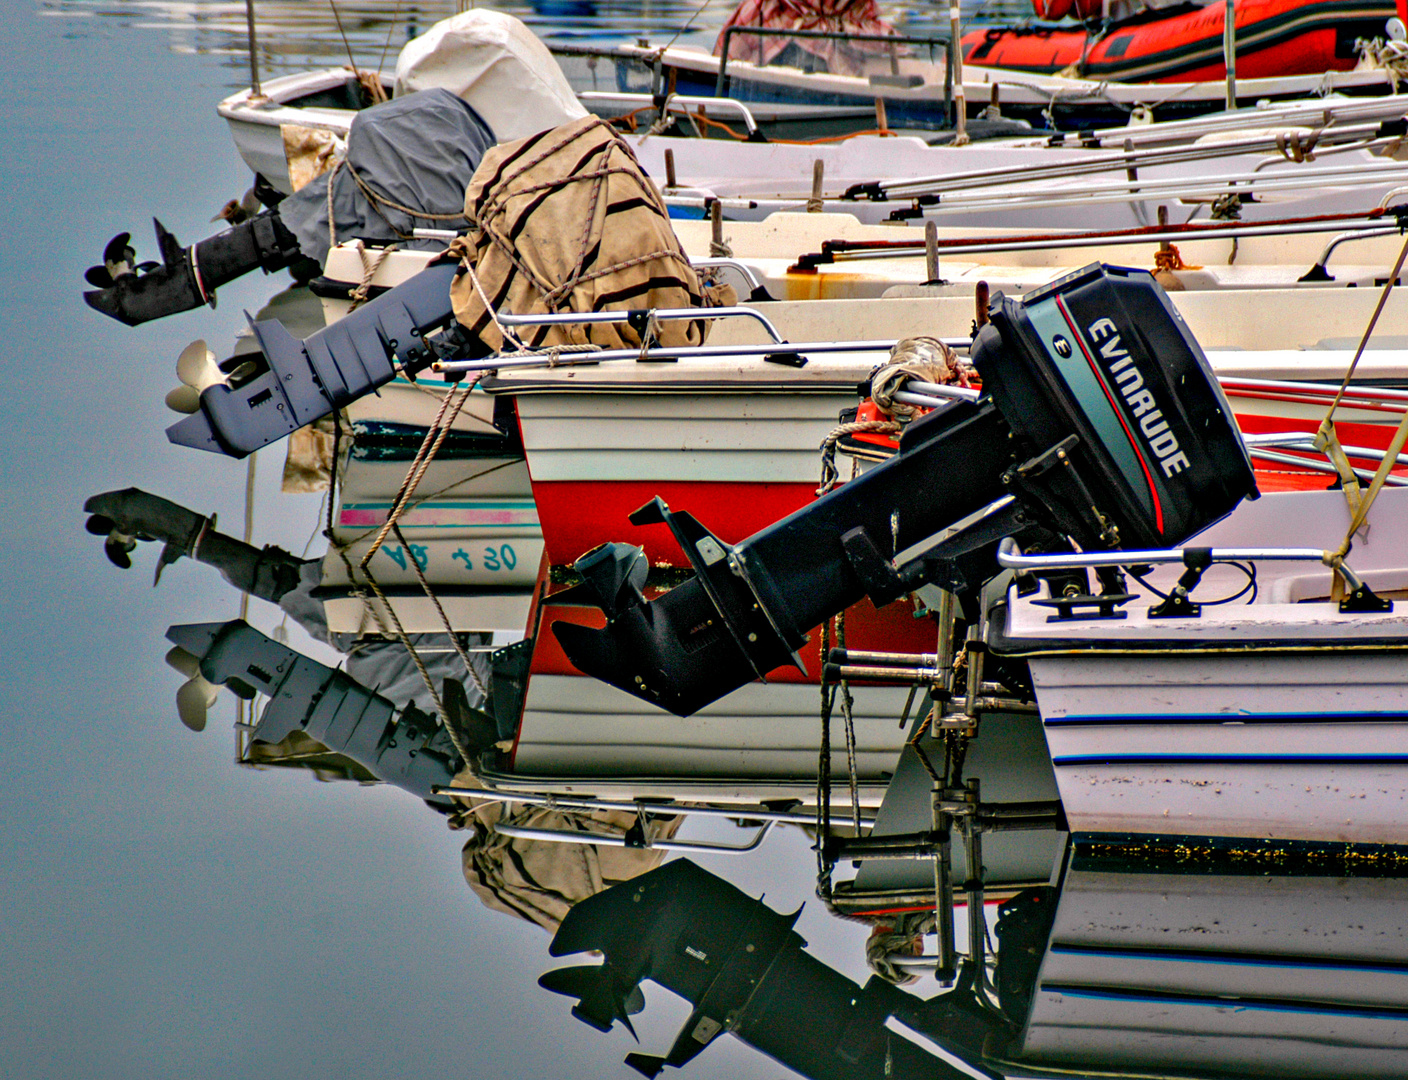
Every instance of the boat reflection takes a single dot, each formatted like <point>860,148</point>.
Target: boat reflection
<point>1197,960</point>
<point>292,36</point>
<point>1119,956</point>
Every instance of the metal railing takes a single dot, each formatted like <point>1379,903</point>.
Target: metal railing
<point>684,101</point>
<point>1010,556</point>
<point>574,318</point>
<point>765,818</point>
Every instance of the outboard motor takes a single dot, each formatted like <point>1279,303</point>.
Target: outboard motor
<point>305,380</point>
<point>742,967</point>
<point>187,277</point>
<point>1101,422</point>
<point>410,750</point>
<point>407,164</point>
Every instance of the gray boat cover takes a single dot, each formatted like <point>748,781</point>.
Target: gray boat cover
<point>416,152</point>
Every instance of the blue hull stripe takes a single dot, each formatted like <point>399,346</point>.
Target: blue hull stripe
<point>1238,1004</point>
<point>1145,720</point>
<point>1229,759</point>
<point>1213,956</point>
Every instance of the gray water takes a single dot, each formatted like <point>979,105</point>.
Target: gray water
<point>166,913</point>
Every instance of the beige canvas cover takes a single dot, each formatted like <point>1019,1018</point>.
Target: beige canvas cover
<point>496,64</point>
<point>539,880</point>
<point>566,220</point>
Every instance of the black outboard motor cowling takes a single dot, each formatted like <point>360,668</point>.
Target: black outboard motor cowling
<point>1101,421</point>
<point>187,277</point>
<point>1108,358</point>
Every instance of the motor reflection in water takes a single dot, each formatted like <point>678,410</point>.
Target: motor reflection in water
<point>1109,955</point>
<point>1196,960</point>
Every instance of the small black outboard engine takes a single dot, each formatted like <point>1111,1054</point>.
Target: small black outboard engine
<point>186,277</point>
<point>1101,423</point>
<point>413,155</point>
<point>746,973</point>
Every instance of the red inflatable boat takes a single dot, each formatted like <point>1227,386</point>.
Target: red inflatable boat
<point>1184,43</point>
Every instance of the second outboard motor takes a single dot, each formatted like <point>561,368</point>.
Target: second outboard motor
<point>406,748</point>
<point>1101,422</point>
<point>407,164</point>
<point>186,277</point>
<point>307,379</point>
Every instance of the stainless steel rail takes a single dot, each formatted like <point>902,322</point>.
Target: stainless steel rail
<point>572,836</point>
<point>575,318</point>
<point>1010,556</point>
<point>654,807</point>
<point>723,104</point>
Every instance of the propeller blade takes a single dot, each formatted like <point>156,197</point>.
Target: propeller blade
<point>99,525</point>
<point>193,701</point>
<point>119,255</point>
<point>184,661</point>
<point>183,399</point>
<point>196,366</point>
<point>98,277</point>
<point>117,247</point>
<point>117,547</point>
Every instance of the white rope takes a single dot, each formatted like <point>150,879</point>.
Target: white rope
<point>429,447</point>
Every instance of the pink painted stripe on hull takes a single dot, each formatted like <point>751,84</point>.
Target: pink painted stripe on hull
<point>440,518</point>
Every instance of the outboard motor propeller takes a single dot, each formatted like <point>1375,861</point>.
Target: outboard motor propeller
<point>613,578</point>
<point>308,379</point>
<point>409,750</point>
<point>186,277</point>
<point>1101,424</point>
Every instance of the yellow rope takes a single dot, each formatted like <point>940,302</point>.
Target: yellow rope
<point>1327,441</point>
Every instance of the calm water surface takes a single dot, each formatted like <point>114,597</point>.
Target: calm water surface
<point>167,914</point>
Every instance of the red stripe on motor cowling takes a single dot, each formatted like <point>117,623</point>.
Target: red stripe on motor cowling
<point>1100,378</point>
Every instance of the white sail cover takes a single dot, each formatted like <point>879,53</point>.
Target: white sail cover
<point>498,66</point>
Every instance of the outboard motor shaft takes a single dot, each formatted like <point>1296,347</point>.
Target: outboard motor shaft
<point>187,277</point>
<point>306,380</point>
<point>1100,422</point>
<point>410,750</point>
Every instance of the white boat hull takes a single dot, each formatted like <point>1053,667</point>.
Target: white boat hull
<point>1251,973</point>
<point>1280,719</point>
<point>1264,746</point>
